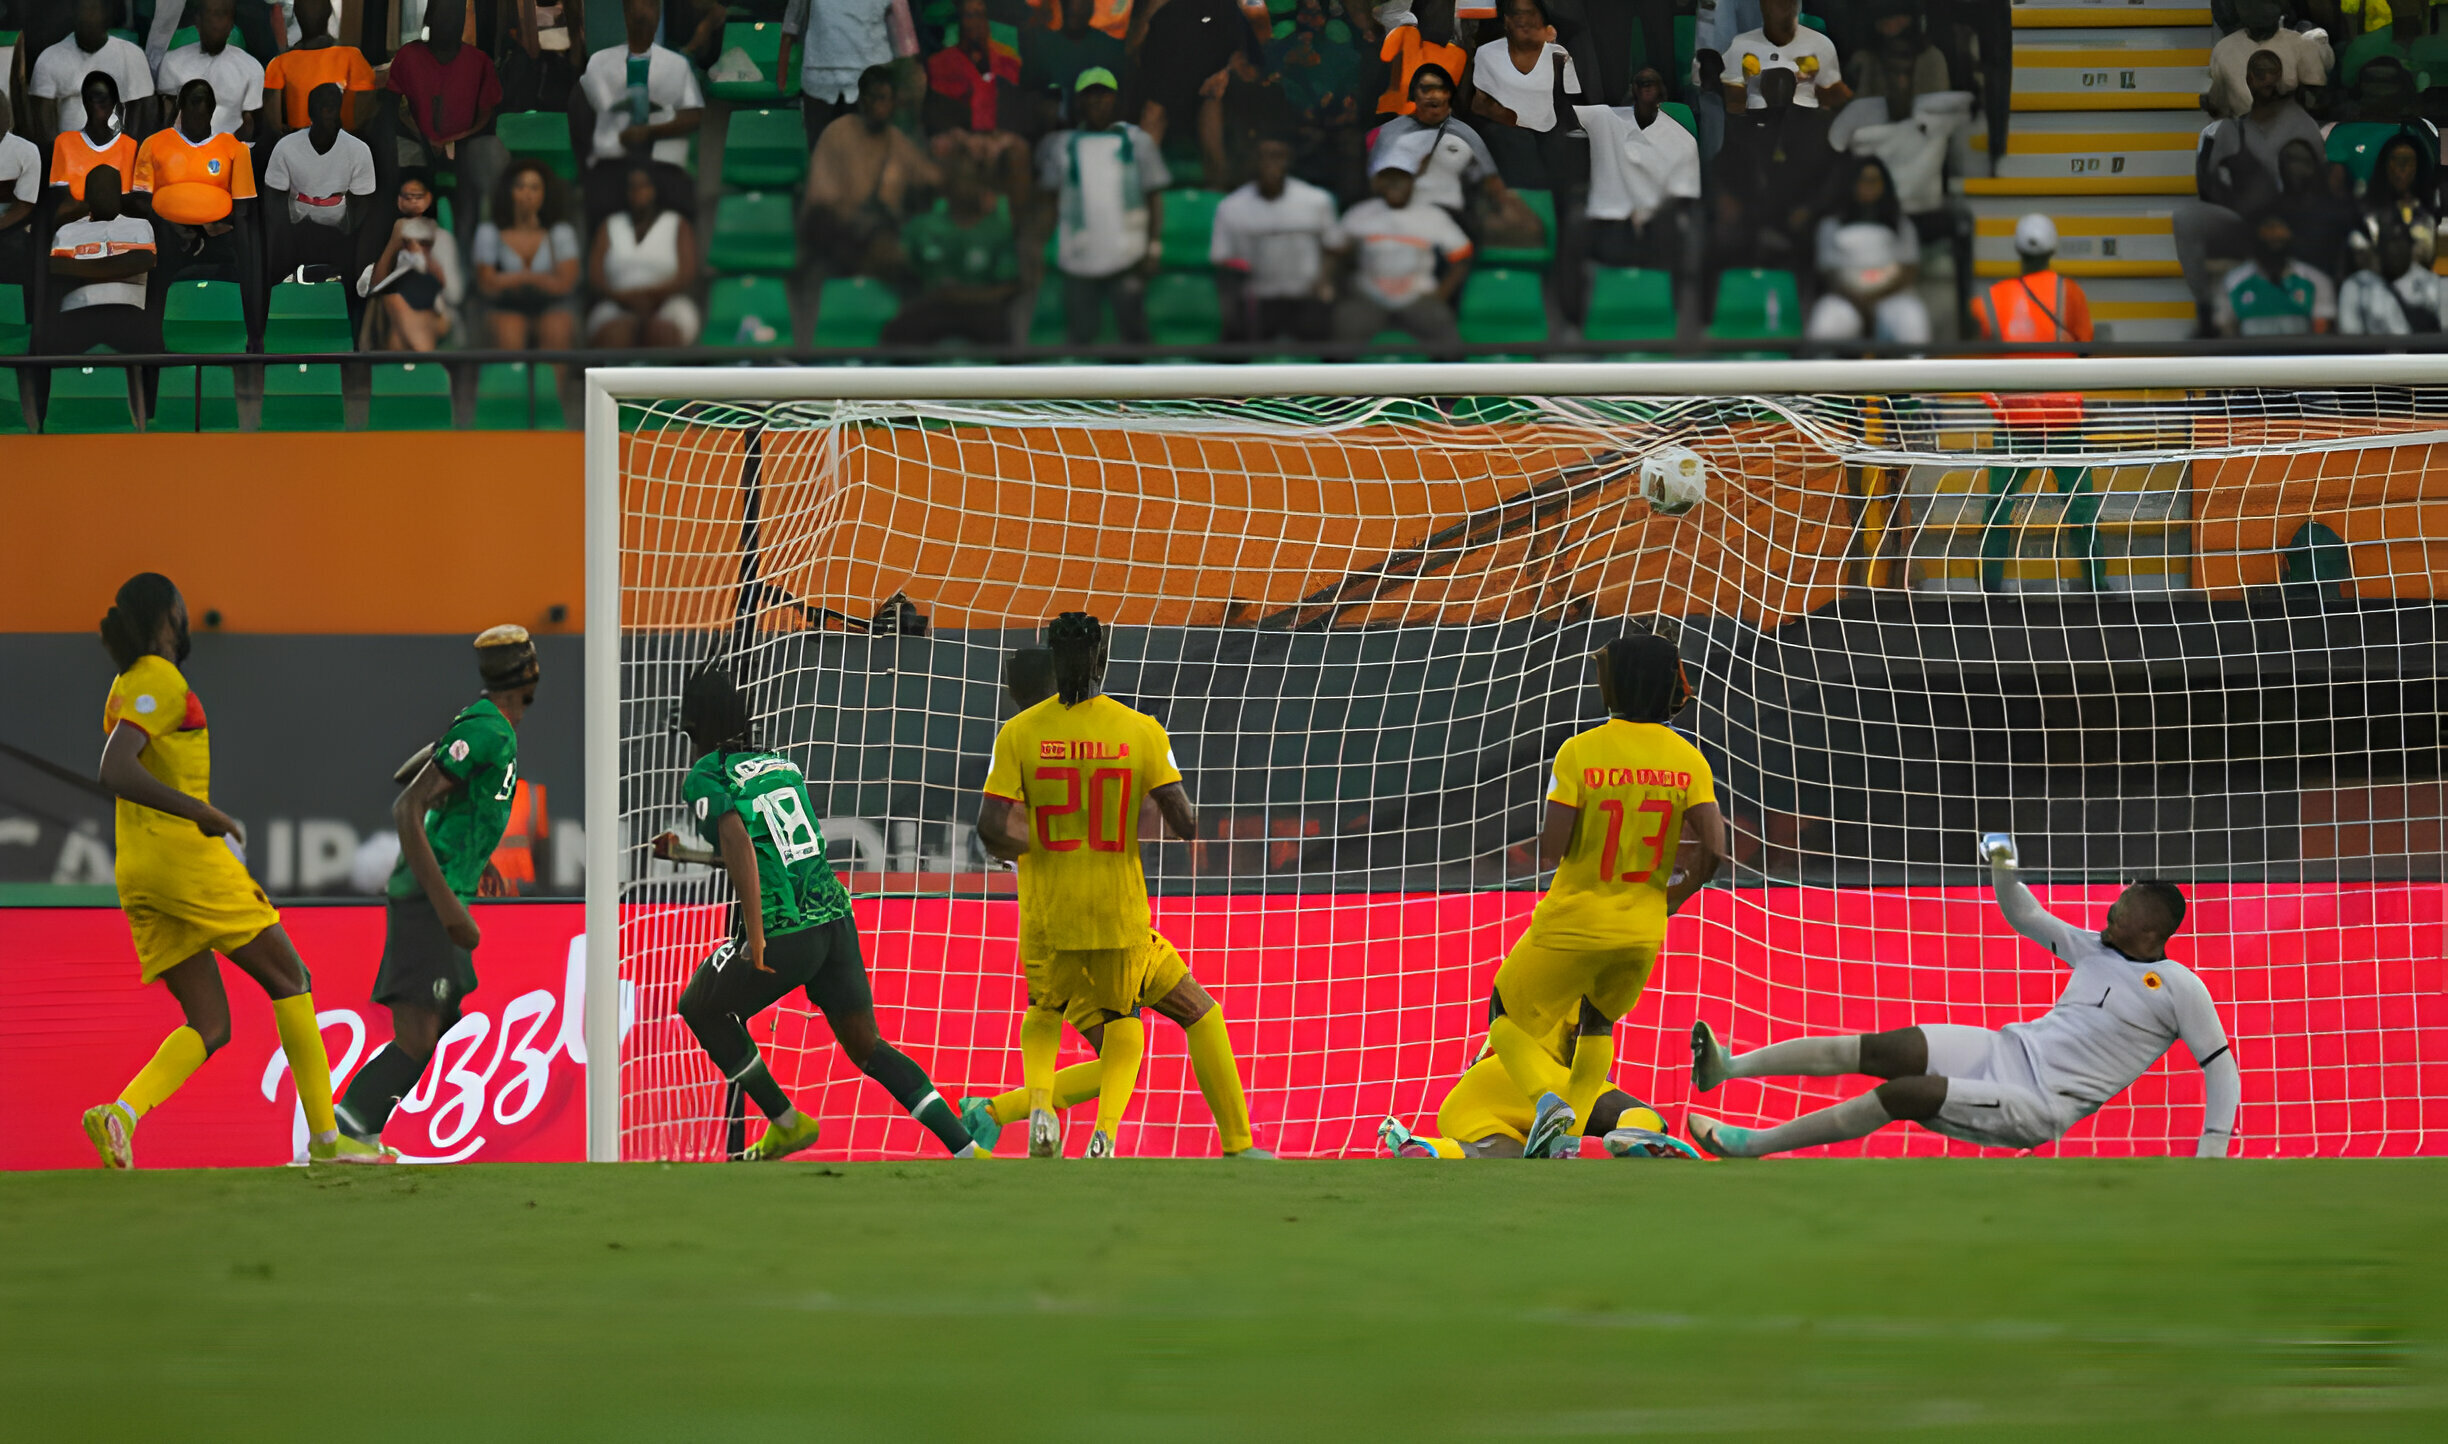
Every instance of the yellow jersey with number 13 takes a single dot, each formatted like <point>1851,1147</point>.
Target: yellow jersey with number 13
<point>1081,772</point>
<point>1633,782</point>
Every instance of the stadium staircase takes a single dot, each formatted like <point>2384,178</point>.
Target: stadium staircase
<point>2105,117</point>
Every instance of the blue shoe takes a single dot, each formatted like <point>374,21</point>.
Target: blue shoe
<point>1647,1143</point>
<point>977,1115</point>
<point>1722,1140</point>
<point>1551,1130</point>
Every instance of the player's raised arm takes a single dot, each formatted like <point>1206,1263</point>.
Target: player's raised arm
<point>423,793</point>
<point>2023,911</point>
<point>2197,1021</point>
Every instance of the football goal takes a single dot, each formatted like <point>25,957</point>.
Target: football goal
<point>2170,618</point>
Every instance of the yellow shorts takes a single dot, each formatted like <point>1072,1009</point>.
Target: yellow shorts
<point>1543,987</point>
<point>1089,984</point>
<point>221,915</point>
<point>1483,1103</point>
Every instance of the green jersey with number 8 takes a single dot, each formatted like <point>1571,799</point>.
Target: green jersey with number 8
<point>796,884</point>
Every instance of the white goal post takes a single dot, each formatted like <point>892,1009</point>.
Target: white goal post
<point>1833,430</point>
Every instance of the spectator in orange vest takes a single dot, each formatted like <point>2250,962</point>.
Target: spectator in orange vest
<point>520,859</point>
<point>2037,306</point>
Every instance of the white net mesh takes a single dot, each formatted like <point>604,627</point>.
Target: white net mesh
<point>2183,635</point>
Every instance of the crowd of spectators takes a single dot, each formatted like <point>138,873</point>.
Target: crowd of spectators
<point>2318,179</point>
<point>986,160</point>
<point>997,162</point>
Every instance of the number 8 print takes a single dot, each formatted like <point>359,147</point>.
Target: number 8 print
<point>786,820</point>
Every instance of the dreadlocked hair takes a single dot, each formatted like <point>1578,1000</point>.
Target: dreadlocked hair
<point>1028,675</point>
<point>1644,676</point>
<point>1076,642</point>
<point>135,617</point>
<point>712,709</point>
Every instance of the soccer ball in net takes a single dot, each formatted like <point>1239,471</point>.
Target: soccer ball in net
<point>1673,480</point>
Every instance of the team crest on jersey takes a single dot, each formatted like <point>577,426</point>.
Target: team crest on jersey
<point>2151,981</point>
<point>459,750</point>
<point>147,703</point>
<point>213,166</point>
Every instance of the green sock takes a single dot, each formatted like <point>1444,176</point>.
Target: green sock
<point>377,1088</point>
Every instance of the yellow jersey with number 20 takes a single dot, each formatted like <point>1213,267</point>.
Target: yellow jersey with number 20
<point>1081,772</point>
<point>1633,782</point>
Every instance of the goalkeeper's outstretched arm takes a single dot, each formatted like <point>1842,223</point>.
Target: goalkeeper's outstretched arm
<point>2197,1022</point>
<point>2022,911</point>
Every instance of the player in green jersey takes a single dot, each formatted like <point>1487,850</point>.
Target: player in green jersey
<point>450,818</point>
<point>752,806</point>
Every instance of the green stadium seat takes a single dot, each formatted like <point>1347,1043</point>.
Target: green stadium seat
<point>182,37</point>
<point>1393,344</point>
<point>1541,204</point>
<point>755,234</point>
<point>1046,321</point>
<point>2355,144</point>
<point>2430,65</point>
<point>196,398</point>
<point>299,396</point>
<point>506,402</point>
<point>761,43</point>
<point>12,403</point>
<point>88,401</point>
<point>1630,305</point>
<point>1755,305</point>
<point>852,312</point>
<point>1183,310</point>
<point>544,134</point>
<point>303,317</point>
<point>1503,307</point>
<point>207,317</point>
<point>765,150</point>
<point>748,311</point>
<point>442,213</point>
<point>16,333</point>
<point>1686,43</point>
<point>410,396</point>
<point>1683,116</point>
<point>1189,227</point>
<point>1815,23</point>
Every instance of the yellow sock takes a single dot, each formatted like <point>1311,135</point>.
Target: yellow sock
<point>179,1055</point>
<point>1526,1062</point>
<point>303,1042</point>
<point>1073,1085</point>
<point>1125,1045</point>
<point>1040,1040</point>
<point>1593,1060</point>
<point>1441,1147</point>
<point>1219,1078</point>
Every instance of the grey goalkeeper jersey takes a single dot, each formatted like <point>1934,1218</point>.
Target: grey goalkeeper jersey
<point>2115,1017</point>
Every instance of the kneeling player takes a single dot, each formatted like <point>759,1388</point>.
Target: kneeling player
<point>1028,677</point>
<point>1617,806</point>
<point>752,805</point>
<point>1486,1115</point>
<point>450,819</point>
<point>2024,1085</point>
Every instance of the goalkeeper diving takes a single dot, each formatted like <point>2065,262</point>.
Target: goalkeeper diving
<point>1621,799</point>
<point>2125,1004</point>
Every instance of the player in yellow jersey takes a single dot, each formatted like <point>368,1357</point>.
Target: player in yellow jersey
<point>183,887</point>
<point>1619,803</point>
<point>1028,678</point>
<point>1063,800</point>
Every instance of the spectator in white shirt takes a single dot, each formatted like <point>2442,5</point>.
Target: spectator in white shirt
<point>21,169</point>
<point>1395,246</point>
<point>2303,57</point>
<point>2398,298</point>
<point>1269,246</point>
<point>1446,158</point>
<point>1520,76</point>
<point>1783,43</point>
<point>101,261</point>
<point>58,79</point>
<point>236,77</point>
<point>838,41</point>
<point>1644,180</point>
<point>317,189</point>
<point>1869,260</point>
<point>646,104</point>
<point>1106,176</point>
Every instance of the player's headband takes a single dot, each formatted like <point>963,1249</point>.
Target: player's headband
<point>506,658</point>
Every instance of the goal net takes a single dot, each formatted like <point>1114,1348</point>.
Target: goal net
<point>2181,631</point>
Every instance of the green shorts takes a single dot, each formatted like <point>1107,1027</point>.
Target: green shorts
<point>420,963</point>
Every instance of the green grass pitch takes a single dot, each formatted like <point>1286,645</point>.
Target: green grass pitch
<point>1143,1300</point>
